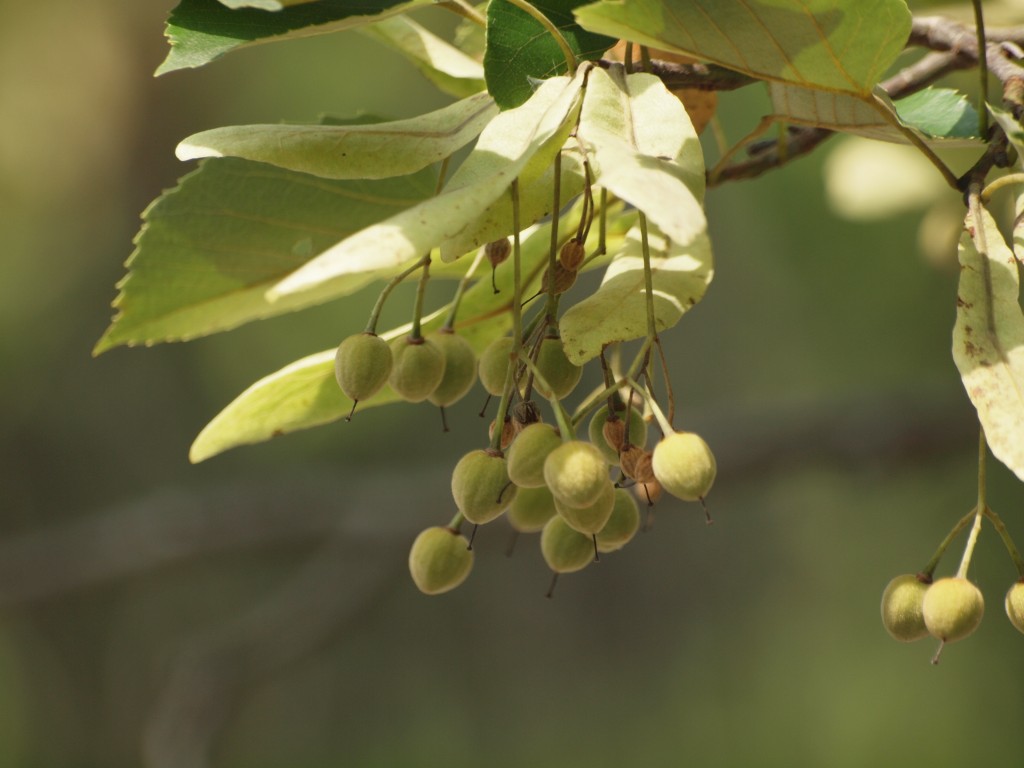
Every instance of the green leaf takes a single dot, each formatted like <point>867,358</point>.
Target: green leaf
<point>451,70</point>
<point>210,248</point>
<point>643,148</point>
<point>988,337</point>
<point>305,394</point>
<point>1013,130</point>
<point>940,113</point>
<point>504,149</point>
<point>618,310</point>
<point>940,116</point>
<point>266,5</point>
<point>200,31</point>
<point>834,45</point>
<point>520,51</point>
<point>373,151</point>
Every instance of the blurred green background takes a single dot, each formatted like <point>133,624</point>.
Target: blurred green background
<point>256,611</point>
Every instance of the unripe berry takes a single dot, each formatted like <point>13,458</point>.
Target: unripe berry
<point>362,365</point>
<point>1015,605</point>
<point>576,473</point>
<point>531,509</point>
<point>609,434</point>
<point>952,608</point>
<point>481,487</point>
<point>622,525</point>
<point>494,363</point>
<point>593,517</point>
<point>564,549</point>
<point>559,373</point>
<point>440,560</point>
<point>902,603</point>
<point>528,451</point>
<point>417,370</point>
<point>684,465</point>
<point>459,368</point>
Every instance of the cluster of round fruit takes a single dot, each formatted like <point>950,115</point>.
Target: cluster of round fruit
<point>546,481</point>
<point>949,609</point>
<point>440,368</point>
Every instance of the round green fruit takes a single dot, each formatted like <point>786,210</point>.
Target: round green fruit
<point>481,486</point>
<point>531,509</point>
<point>564,549</point>
<point>440,560</point>
<point>528,451</point>
<point>952,609</point>
<point>598,434</point>
<point>561,375</point>
<point>902,604</point>
<point>494,363</point>
<point>576,473</point>
<point>362,365</point>
<point>459,368</point>
<point>684,465</point>
<point>593,517</point>
<point>1015,605</point>
<point>417,370</point>
<point>622,525</point>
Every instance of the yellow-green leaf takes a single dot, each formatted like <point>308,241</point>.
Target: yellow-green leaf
<point>644,149</point>
<point>988,337</point>
<point>364,151</point>
<point>834,45</point>
<point>618,310</point>
<point>521,133</point>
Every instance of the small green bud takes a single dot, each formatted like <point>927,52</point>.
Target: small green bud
<point>440,560</point>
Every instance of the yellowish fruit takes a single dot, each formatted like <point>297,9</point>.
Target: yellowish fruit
<point>440,560</point>
<point>362,365</point>
<point>684,465</point>
<point>418,368</point>
<point>560,375</point>
<point>622,525</point>
<point>576,473</point>
<point>531,509</point>
<point>565,550</point>
<point>459,368</point>
<point>494,363</point>
<point>481,487</point>
<point>1015,605</point>
<point>528,451</point>
<point>902,605</point>
<point>593,517</point>
<point>952,608</point>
